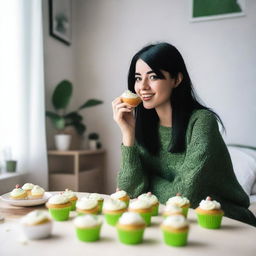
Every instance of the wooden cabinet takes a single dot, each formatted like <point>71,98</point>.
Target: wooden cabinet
<point>79,170</point>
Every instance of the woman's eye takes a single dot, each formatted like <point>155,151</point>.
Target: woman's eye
<point>153,77</point>
<point>137,79</point>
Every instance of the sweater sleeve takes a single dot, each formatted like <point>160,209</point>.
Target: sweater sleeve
<point>131,176</point>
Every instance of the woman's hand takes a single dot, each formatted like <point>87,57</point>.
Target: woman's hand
<point>123,115</point>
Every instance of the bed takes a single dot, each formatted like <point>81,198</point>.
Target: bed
<point>244,163</point>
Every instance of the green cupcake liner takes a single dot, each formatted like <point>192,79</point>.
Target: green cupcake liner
<point>185,211</point>
<point>73,205</point>
<point>130,236</point>
<point>100,204</point>
<point>209,221</point>
<point>175,239</point>
<point>147,217</point>
<point>155,210</point>
<point>60,214</point>
<point>84,213</point>
<point>112,219</point>
<point>88,234</point>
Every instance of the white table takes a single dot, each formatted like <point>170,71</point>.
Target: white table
<point>234,238</point>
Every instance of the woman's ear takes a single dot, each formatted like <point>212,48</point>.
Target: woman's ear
<point>178,79</point>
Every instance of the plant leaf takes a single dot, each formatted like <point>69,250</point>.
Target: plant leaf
<point>90,103</point>
<point>62,94</point>
<point>57,120</point>
<point>73,117</point>
<point>80,128</point>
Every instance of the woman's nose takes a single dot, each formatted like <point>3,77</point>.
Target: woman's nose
<point>144,84</point>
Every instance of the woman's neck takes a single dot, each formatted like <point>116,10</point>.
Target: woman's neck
<point>165,115</point>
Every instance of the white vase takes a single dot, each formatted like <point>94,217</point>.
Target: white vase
<point>93,144</point>
<point>62,141</point>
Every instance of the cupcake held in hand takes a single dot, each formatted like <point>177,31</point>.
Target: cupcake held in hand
<point>175,230</point>
<point>87,206</point>
<point>59,207</point>
<point>131,98</point>
<point>88,227</point>
<point>209,214</point>
<point>181,201</point>
<point>130,228</point>
<point>152,199</point>
<point>113,210</point>
<point>71,195</point>
<point>36,225</point>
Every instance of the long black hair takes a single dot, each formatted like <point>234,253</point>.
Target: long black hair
<point>164,56</point>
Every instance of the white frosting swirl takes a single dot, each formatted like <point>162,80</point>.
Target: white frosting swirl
<point>131,218</point>
<point>113,205</point>
<point>86,204</point>
<point>176,221</point>
<point>172,208</point>
<point>178,200</point>
<point>129,94</point>
<point>139,204</point>
<point>88,220</point>
<point>209,205</point>
<point>35,217</point>
<point>37,190</point>
<point>152,199</point>
<point>17,192</point>
<point>58,199</point>
<point>118,194</point>
<point>96,196</point>
<point>28,186</point>
<point>69,193</point>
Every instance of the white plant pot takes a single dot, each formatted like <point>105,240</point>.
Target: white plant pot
<point>62,141</point>
<point>93,144</point>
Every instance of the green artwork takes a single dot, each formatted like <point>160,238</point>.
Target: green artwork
<point>204,8</point>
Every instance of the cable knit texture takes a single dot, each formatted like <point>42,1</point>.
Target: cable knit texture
<point>203,169</point>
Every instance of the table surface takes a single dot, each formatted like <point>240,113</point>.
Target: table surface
<point>233,238</point>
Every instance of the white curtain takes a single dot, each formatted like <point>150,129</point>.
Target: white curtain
<point>22,107</point>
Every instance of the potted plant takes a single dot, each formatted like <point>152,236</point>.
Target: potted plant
<point>93,140</point>
<point>61,119</point>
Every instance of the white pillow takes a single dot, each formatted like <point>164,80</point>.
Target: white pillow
<point>244,164</point>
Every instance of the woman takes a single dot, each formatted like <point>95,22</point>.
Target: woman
<point>172,144</point>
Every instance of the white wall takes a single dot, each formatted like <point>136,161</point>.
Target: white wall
<point>220,56</point>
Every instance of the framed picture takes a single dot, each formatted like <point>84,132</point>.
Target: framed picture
<point>202,10</point>
<point>61,20</point>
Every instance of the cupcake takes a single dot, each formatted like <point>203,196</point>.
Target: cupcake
<point>152,199</point>
<point>88,227</point>
<point>87,206</point>
<point>130,228</point>
<point>172,209</point>
<point>37,192</point>
<point>99,199</point>
<point>121,195</point>
<point>112,210</point>
<point>209,214</point>
<point>28,187</point>
<point>59,207</point>
<point>175,230</point>
<point>71,195</point>
<point>181,201</point>
<point>18,193</point>
<point>131,98</point>
<point>36,225</point>
<point>143,208</point>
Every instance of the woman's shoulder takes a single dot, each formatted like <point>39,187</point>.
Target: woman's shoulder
<point>203,115</point>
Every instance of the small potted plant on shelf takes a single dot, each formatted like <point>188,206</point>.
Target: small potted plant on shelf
<point>61,119</point>
<point>94,141</point>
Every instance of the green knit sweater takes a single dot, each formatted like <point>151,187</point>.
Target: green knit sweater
<point>204,169</point>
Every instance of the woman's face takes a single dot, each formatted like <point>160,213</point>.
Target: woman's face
<point>154,92</point>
